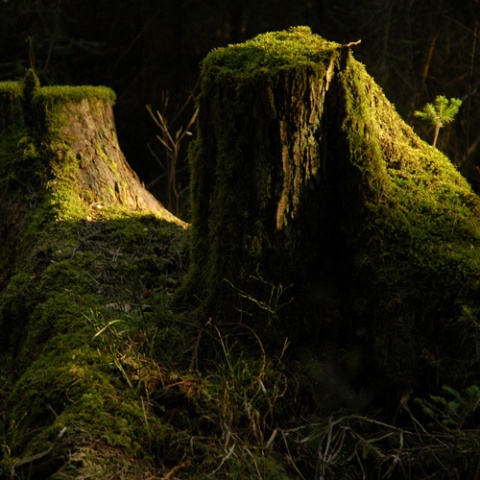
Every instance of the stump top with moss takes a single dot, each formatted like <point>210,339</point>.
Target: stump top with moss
<point>269,55</point>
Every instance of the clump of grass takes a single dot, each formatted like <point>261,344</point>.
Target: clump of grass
<point>237,400</point>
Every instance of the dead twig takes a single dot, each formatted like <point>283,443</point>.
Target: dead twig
<point>172,140</point>
<point>175,469</point>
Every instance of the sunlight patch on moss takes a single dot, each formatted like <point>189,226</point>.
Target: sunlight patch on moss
<point>269,54</point>
<point>11,89</point>
<point>68,93</point>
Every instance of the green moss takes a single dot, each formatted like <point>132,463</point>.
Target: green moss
<point>11,89</point>
<point>417,234</point>
<point>269,55</point>
<point>73,369</point>
<point>68,93</point>
<point>328,189</point>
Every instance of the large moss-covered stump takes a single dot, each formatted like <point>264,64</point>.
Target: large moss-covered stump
<point>256,165</point>
<point>303,174</point>
<point>84,247</point>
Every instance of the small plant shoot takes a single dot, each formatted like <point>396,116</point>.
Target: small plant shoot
<point>439,113</point>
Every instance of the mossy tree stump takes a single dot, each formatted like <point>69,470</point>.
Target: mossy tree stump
<point>256,165</point>
<point>60,142</point>
<point>303,174</point>
<point>79,243</point>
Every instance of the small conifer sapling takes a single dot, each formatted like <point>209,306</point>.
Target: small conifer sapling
<point>439,113</point>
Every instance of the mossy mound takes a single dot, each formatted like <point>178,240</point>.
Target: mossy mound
<point>79,321</point>
<point>413,230</point>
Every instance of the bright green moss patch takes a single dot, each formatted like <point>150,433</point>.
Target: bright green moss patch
<point>269,54</point>
<point>67,93</point>
<point>11,89</point>
<point>416,237</point>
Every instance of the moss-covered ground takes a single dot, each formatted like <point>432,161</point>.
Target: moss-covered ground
<point>97,365</point>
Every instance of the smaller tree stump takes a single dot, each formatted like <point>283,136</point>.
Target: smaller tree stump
<point>79,234</point>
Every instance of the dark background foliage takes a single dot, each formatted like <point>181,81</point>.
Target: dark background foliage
<point>415,49</point>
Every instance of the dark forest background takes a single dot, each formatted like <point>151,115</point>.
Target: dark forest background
<point>147,50</point>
